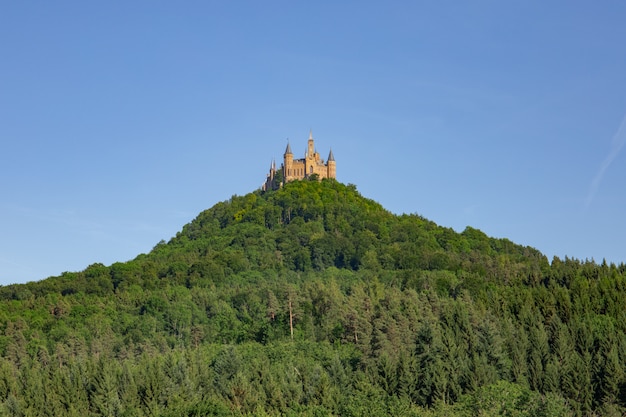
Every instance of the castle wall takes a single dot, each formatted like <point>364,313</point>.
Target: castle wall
<point>302,168</point>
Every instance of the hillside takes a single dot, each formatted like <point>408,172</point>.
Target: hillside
<point>313,300</point>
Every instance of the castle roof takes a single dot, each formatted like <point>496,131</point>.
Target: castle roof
<point>288,150</point>
<point>331,157</point>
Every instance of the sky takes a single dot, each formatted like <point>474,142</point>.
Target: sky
<point>121,121</point>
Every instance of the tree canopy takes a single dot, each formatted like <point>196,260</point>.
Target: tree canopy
<point>313,300</point>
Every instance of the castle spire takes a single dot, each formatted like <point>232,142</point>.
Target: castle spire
<point>288,150</point>
<point>331,157</point>
<point>310,134</point>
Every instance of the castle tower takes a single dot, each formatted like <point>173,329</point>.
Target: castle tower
<point>269,181</point>
<point>311,146</point>
<point>288,173</point>
<point>332,165</point>
<point>309,157</point>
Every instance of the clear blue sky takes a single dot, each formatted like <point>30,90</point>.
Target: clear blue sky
<point>120,121</point>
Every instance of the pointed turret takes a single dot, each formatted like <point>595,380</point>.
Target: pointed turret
<point>269,181</point>
<point>287,164</point>
<point>331,165</point>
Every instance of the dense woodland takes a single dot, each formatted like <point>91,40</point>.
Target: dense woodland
<point>313,300</point>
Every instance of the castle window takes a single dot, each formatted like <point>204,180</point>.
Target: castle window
<point>311,170</point>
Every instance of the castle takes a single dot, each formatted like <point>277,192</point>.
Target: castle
<point>297,169</point>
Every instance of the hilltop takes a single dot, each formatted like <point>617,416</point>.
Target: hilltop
<point>314,300</point>
<point>307,226</point>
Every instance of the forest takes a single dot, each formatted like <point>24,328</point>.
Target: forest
<point>312,300</point>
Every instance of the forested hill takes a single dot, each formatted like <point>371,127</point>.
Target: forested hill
<point>311,226</point>
<point>313,300</point>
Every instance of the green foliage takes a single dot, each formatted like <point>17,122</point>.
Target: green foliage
<point>391,315</point>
